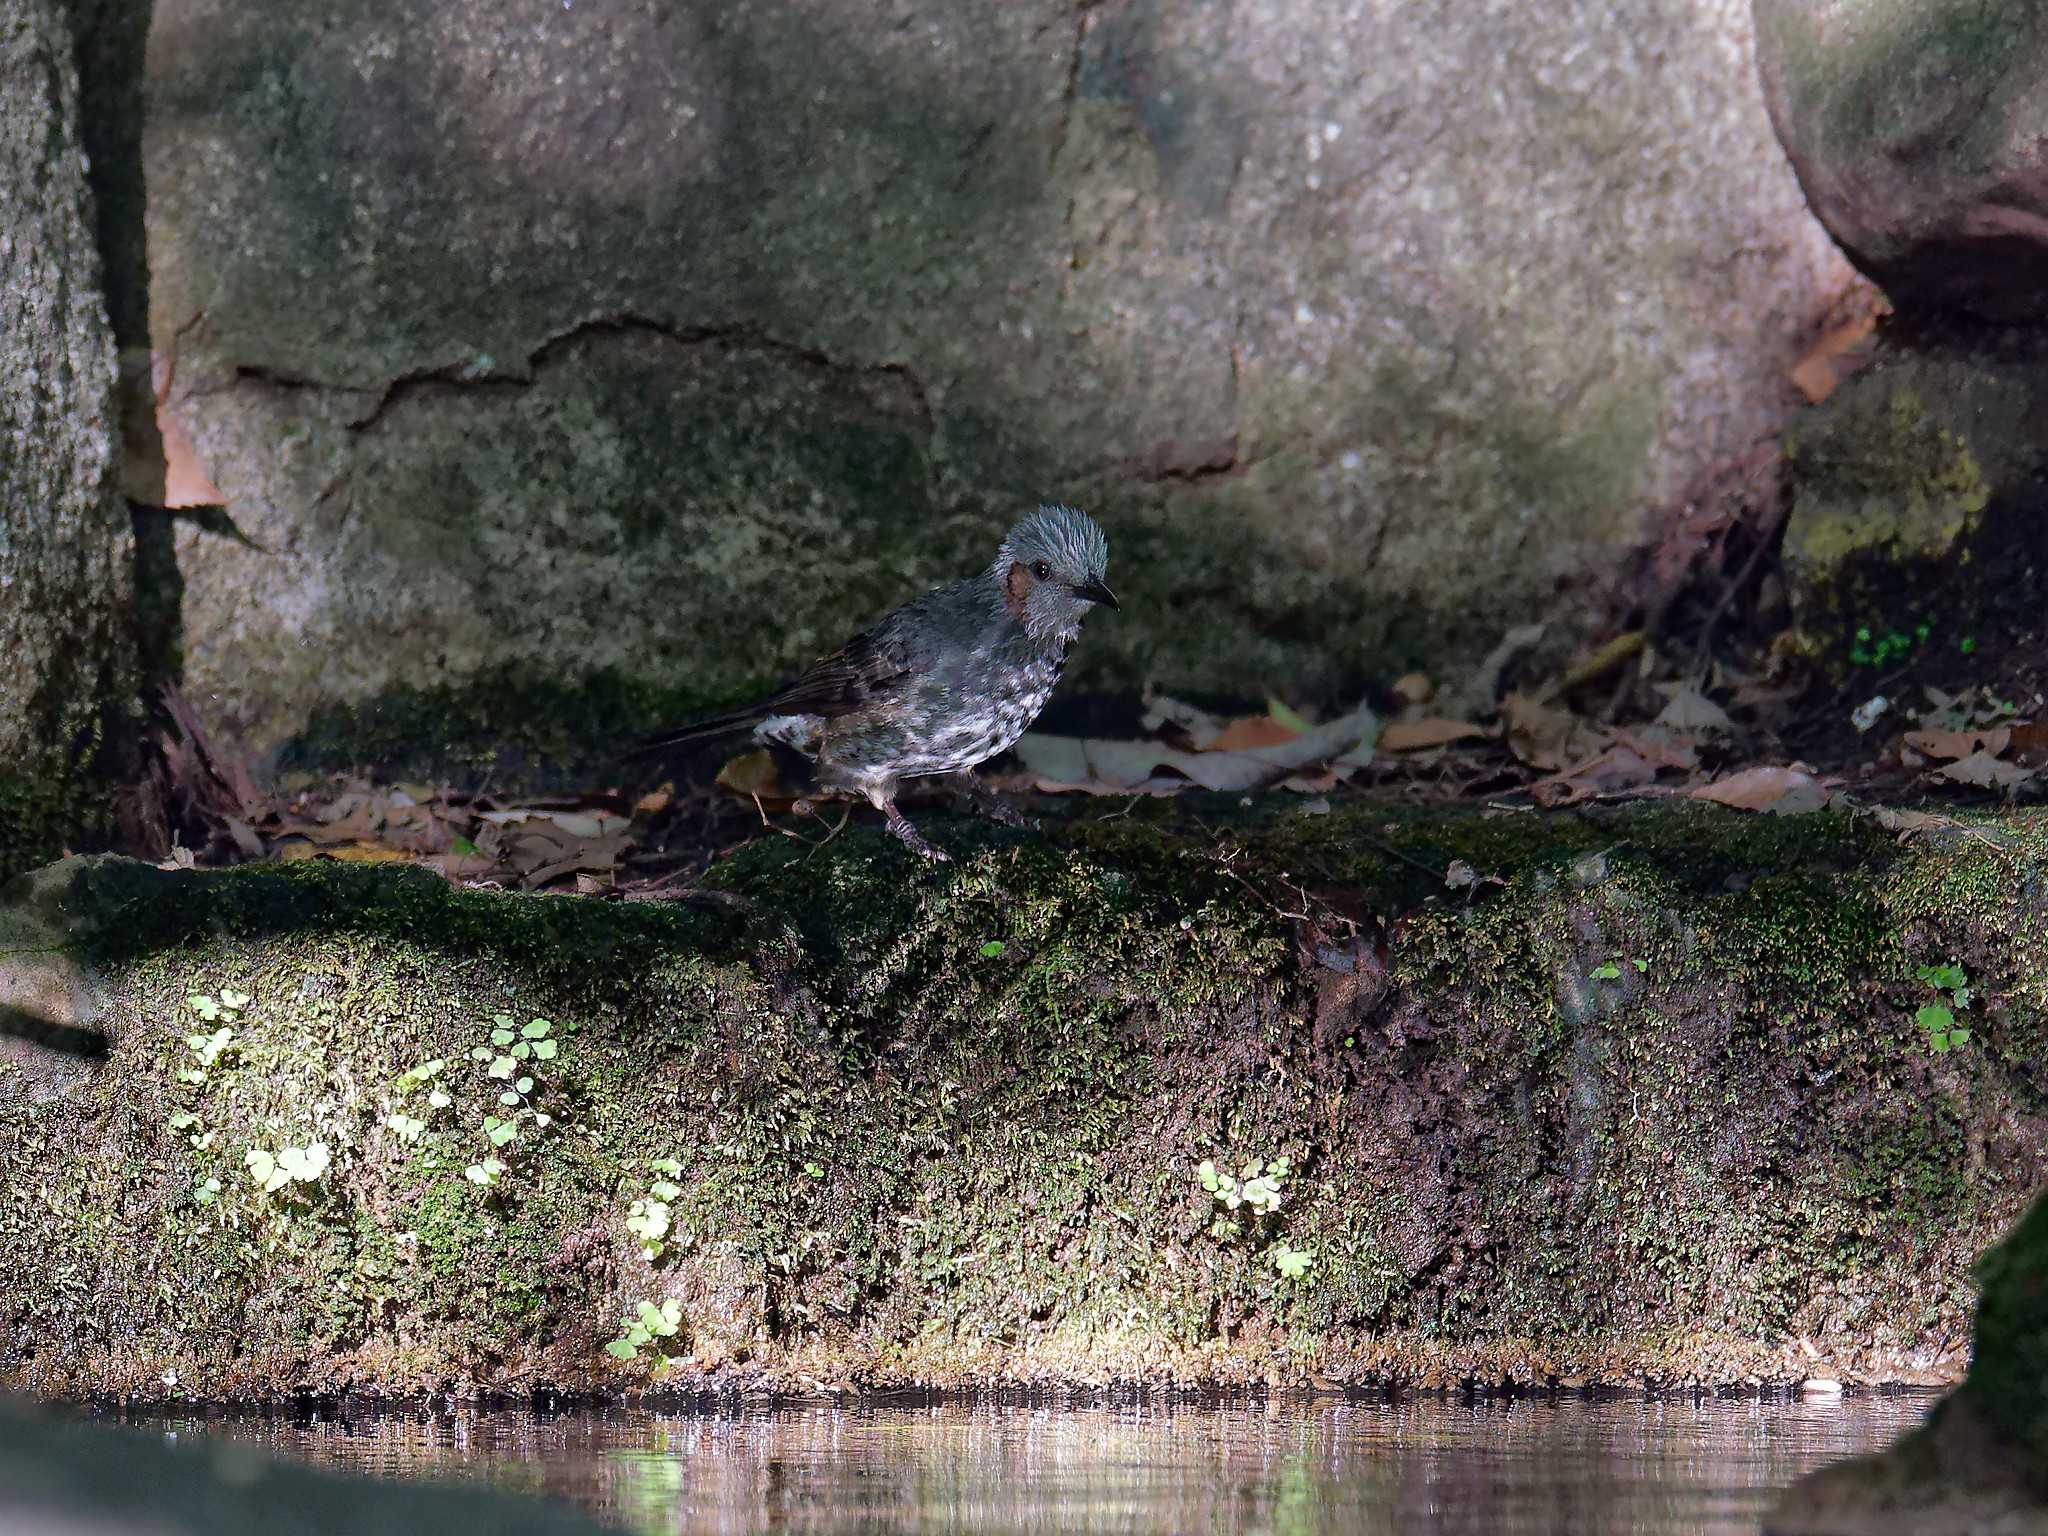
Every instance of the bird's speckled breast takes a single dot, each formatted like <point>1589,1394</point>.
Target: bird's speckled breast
<point>1019,701</point>
<point>948,723</point>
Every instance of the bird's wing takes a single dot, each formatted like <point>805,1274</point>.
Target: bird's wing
<point>872,667</point>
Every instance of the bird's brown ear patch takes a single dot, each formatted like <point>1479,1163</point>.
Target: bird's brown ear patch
<point>1017,586</point>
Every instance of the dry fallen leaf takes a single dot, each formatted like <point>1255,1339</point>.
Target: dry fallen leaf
<point>1985,771</point>
<point>1661,747</point>
<point>1617,769</point>
<point>1691,710</point>
<point>1421,735</point>
<point>1953,746</point>
<point>1783,791</point>
<point>754,775</point>
<point>1547,738</point>
<point>1595,665</point>
<point>1062,763</point>
<point>1911,824</point>
<point>1414,687</point>
<point>2030,740</point>
<point>1840,349</point>
<point>1197,725</point>
<point>1248,733</point>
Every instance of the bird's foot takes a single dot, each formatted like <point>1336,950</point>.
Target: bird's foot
<point>911,838</point>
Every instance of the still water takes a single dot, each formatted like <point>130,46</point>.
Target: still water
<point>1429,1467</point>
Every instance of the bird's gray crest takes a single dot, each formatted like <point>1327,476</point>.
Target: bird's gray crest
<point>1065,536</point>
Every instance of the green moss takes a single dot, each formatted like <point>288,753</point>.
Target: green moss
<point>1886,496</point>
<point>1875,83</point>
<point>1648,1105</point>
<point>41,818</point>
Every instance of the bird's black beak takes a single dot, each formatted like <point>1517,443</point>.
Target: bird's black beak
<point>1096,592</point>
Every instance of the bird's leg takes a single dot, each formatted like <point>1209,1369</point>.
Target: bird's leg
<point>911,837</point>
<point>990,804</point>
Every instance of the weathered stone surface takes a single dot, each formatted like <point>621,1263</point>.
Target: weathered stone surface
<point>1917,489</point>
<point>1979,1467</point>
<point>562,338</point>
<point>63,543</point>
<point>1657,1108</point>
<point>1919,129</point>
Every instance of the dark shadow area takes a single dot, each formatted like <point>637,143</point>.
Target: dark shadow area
<point>70,1039</point>
<point>112,40</point>
<point>68,1476</point>
<point>1362,862</point>
<point>159,599</point>
<point>122,910</point>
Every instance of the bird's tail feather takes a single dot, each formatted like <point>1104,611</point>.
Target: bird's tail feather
<point>713,727</point>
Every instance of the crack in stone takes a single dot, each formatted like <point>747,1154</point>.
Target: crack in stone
<point>1225,464</point>
<point>466,375</point>
<point>1071,92</point>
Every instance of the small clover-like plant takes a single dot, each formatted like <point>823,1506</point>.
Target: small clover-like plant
<point>288,1165</point>
<point>188,1125</point>
<point>650,1216</point>
<point>411,1127</point>
<point>531,1041</point>
<point>508,1062</point>
<point>228,1005</point>
<point>206,1049</point>
<point>485,1172</point>
<point>1874,650</point>
<point>1292,1263</point>
<point>645,1324</point>
<point>1939,1018</point>
<point>1257,1185</point>
<point>423,1074</point>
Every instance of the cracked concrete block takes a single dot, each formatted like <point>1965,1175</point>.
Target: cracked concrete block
<point>672,343</point>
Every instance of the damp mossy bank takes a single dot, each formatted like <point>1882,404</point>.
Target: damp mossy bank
<point>1649,1102</point>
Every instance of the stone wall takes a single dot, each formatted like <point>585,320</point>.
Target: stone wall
<point>673,342</point>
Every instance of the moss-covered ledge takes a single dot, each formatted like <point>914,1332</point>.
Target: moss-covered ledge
<point>1655,1106</point>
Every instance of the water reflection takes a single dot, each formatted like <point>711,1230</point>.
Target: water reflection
<point>1426,1467</point>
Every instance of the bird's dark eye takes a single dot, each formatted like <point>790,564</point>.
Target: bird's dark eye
<point>1042,570</point>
